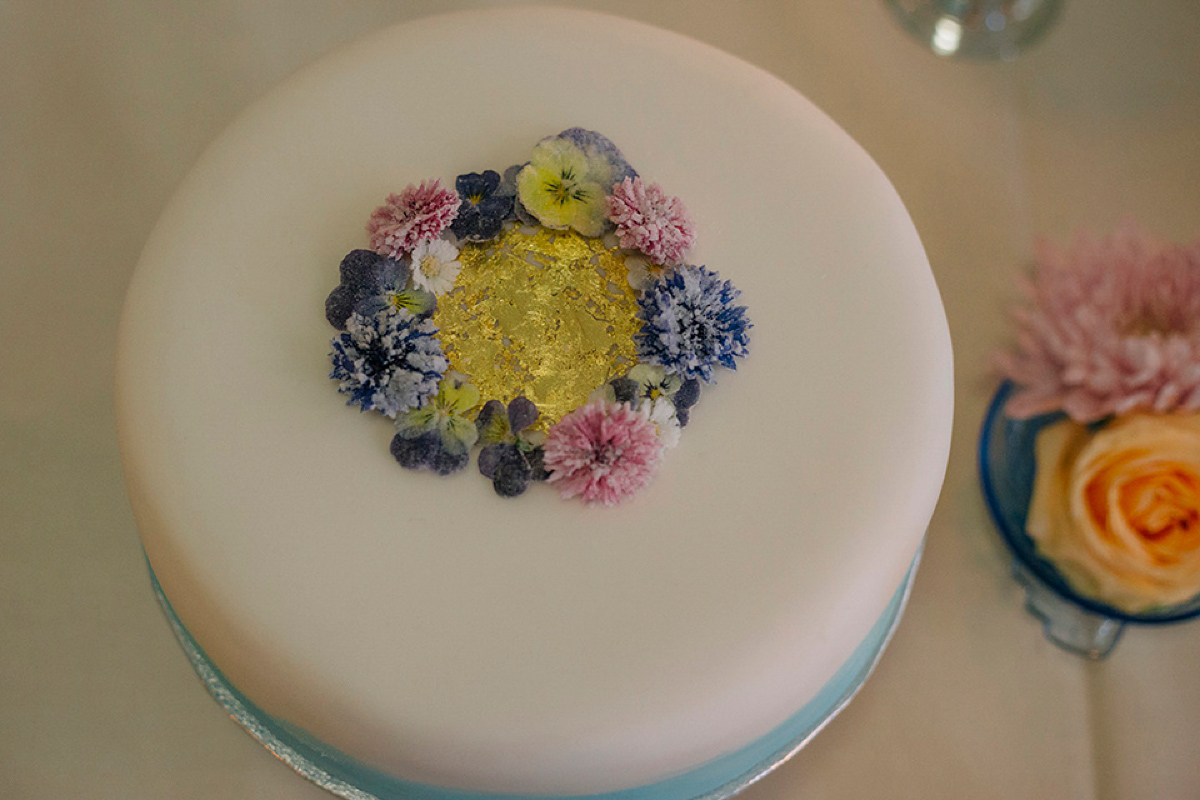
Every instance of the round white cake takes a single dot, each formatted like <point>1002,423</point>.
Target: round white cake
<point>437,635</point>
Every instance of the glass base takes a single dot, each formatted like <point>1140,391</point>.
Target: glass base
<point>1066,624</point>
<point>976,29</point>
<point>1007,467</point>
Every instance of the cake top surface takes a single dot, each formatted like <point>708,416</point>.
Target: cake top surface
<point>429,627</point>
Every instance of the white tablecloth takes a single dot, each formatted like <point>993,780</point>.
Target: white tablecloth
<point>105,105</point>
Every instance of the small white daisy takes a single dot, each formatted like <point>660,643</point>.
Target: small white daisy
<point>435,266</point>
<point>661,412</point>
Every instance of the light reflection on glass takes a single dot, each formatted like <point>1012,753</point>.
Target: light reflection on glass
<point>947,35</point>
<point>976,29</point>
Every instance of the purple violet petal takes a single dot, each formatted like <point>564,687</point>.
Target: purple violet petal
<point>521,414</point>
<point>339,305</point>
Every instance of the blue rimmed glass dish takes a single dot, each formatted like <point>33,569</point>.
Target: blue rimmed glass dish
<point>1071,620</point>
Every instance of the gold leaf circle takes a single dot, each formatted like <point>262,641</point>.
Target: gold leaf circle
<point>542,313</point>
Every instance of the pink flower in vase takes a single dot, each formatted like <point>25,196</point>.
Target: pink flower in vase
<point>1113,326</point>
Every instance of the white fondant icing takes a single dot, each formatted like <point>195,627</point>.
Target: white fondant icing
<point>426,626</point>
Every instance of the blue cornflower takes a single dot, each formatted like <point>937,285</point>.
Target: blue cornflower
<point>690,323</point>
<point>389,362</point>
<point>483,209</point>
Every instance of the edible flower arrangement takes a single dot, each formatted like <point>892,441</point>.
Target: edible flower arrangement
<point>1110,340</point>
<point>479,312</point>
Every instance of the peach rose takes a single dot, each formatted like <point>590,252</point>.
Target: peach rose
<point>1118,510</point>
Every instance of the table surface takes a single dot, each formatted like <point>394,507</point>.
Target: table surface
<point>105,105</point>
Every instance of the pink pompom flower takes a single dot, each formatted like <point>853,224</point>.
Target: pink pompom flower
<point>1113,327</point>
<point>418,214</point>
<point>650,220</point>
<point>602,452</point>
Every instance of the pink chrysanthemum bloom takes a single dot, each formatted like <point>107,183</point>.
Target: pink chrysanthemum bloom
<point>602,452</point>
<point>650,220</point>
<point>418,214</point>
<point>1114,327</point>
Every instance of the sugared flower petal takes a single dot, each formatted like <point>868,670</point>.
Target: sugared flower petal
<point>661,413</point>
<point>650,220</point>
<point>438,436</point>
<point>690,323</point>
<point>653,381</point>
<point>560,189</point>
<point>483,208</point>
<point>389,362</point>
<point>608,162</point>
<point>511,458</point>
<point>418,214</point>
<point>435,266</point>
<point>364,274</point>
<point>602,453</point>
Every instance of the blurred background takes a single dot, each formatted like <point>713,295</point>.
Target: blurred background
<point>105,105</point>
